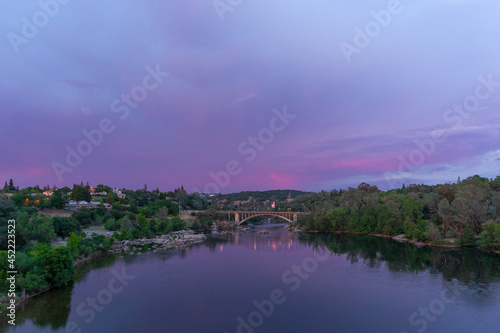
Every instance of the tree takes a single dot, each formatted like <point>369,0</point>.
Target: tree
<point>65,190</point>
<point>86,193</point>
<point>111,197</point>
<point>490,236</point>
<point>496,203</point>
<point>80,193</point>
<point>58,265</point>
<point>413,210</point>
<point>178,223</point>
<point>39,228</point>
<point>445,212</point>
<point>461,213</point>
<point>162,213</point>
<point>474,197</point>
<point>127,224</point>
<point>73,242</point>
<point>64,226</point>
<point>76,193</point>
<point>84,216</point>
<point>117,206</point>
<point>7,211</point>
<point>163,226</point>
<point>57,201</point>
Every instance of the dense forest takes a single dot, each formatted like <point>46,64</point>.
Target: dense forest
<point>466,212</point>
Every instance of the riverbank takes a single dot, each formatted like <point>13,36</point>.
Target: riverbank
<point>443,243</point>
<point>178,239</point>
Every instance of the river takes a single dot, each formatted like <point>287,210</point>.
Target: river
<point>277,282</point>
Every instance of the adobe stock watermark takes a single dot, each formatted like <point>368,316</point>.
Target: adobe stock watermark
<point>292,278</point>
<point>87,310</point>
<point>420,320</point>
<point>121,107</point>
<point>426,147</point>
<point>223,6</point>
<point>373,28</point>
<point>250,149</point>
<point>31,26</point>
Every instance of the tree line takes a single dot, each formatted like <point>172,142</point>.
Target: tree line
<point>466,212</point>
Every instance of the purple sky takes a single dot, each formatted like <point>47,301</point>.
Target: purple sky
<point>356,103</point>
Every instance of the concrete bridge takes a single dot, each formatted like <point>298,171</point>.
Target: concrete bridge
<point>241,216</point>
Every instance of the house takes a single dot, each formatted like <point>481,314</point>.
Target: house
<point>121,195</point>
<point>48,193</point>
<point>94,191</point>
<point>74,205</point>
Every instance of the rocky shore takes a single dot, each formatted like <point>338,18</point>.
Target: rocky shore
<point>178,239</point>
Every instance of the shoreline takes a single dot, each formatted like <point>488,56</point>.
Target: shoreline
<point>177,240</point>
<point>399,238</point>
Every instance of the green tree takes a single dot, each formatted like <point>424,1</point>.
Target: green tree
<point>57,200</point>
<point>490,236</point>
<point>58,265</point>
<point>11,185</point>
<point>461,213</point>
<point>63,226</point>
<point>84,216</point>
<point>127,224</point>
<point>73,242</point>
<point>117,206</point>
<point>162,213</point>
<point>178,223</point>
<point>39,228</point>
<point>77,193</point>
<point>445,212</point>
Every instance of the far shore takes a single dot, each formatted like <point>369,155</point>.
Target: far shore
<point>399,238</point>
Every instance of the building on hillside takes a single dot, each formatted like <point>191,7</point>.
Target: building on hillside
<point>77,205</point>
<point>48,193</point>
<point>121,195</point>
<point>94,192</point>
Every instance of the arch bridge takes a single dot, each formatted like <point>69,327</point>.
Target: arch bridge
<point>242,216</point>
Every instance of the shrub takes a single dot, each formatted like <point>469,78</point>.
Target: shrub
<point>63,226</point>
<point>490,236</point>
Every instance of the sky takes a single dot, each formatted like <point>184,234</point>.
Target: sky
<point>232,95</point>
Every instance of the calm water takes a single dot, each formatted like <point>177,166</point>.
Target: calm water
<point>279,282</point>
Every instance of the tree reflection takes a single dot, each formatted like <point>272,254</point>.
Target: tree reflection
<point>50,311</point>
<point>469,266</point>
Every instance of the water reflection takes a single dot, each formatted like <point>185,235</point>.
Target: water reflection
<point>478,272</point>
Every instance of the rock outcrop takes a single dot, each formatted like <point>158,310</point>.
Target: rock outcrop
<point>176,239</point>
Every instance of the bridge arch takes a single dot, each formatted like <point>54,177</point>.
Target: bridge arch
<point>254,214</point>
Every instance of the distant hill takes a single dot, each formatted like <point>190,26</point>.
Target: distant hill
<point>272,195</point>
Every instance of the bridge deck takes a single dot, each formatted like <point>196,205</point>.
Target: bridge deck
<point>241,216</point>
